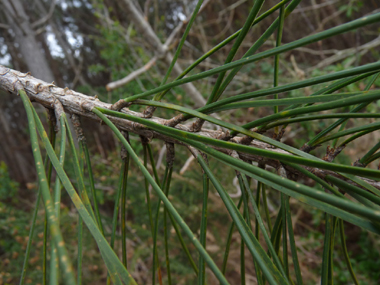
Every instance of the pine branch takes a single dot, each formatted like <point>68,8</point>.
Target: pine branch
<point>51,96</point>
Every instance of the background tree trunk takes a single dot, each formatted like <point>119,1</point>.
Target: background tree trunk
<point>30,49</point>
<point>15,149</point>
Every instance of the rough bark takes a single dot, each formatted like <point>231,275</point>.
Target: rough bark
<point>77,103</point>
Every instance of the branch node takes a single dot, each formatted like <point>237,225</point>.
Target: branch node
<point>225,136</point>
<point>39,88</point>
<point>144,140</point>
<point>307,148</point>
<point>148,112</point>
<point>120,105</point>
<point>197,125</point>
<point>359,164</point>
<point>331,153</point>
<point>86,106</point>
<point>279,136</point>
<point>174,121</point>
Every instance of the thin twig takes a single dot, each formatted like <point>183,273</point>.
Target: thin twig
<point>44,19</point>
<point>118,83</point>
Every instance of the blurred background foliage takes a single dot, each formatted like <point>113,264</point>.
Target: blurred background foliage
<point>87,44</point>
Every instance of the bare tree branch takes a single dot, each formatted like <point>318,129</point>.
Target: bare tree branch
<point>313,7</point>
<point>137,18</point>
<point>342,54</point>
<point>44,19</point>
